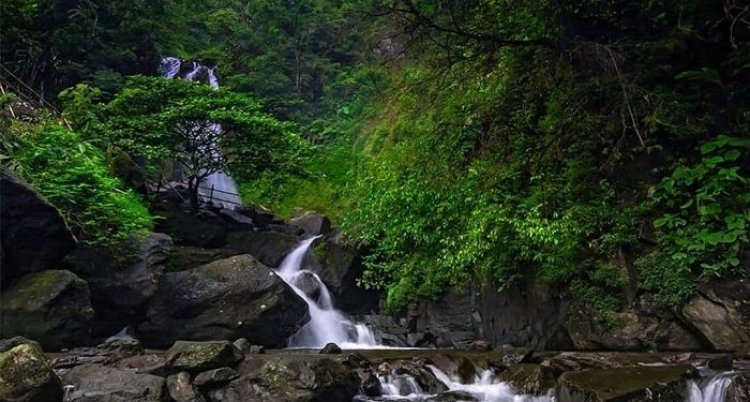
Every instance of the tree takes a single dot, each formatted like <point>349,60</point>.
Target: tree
<point>204,130</point>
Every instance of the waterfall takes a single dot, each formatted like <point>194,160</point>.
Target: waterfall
<point>486,388</point>
<point>326,323</point>
<point>712,388</point>
<point>219,187</point>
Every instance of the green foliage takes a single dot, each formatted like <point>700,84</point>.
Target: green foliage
<point>705,222</point>
<point>72,174</point>
<point>162,120</point>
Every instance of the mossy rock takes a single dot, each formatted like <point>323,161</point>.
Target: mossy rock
<point>528,379</point>
<point>661,383</point>
<point>201,356</point>
<point>52,307</point>
<point>26,376</point>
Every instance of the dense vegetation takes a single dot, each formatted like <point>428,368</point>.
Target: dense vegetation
<point>599,148</point>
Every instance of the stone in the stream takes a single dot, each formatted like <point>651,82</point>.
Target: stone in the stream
<point>93,382</point>
<point>200,356</point>
<point>331,348</point>
<point>25,375</point>
<point>237,297</point>
<point>181,389</point>
<point>216,377</point>
<point>371,385</point>
<point>452,396</point>
<point>661,383</point>
<point>308,284</point>
<point>530,379</point>
<point>51,307</point>
<point>739,388</point>
<point>33,234</point>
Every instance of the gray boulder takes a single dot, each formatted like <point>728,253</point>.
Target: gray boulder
<point>51,307</point>
<point>33,234</point>
<point>120,292</point>
<point>95,383</point>
<point>216,377</point>
<point>200,229</point>
<point>200,356</point>
<point>720,315</point>
<point>25,376</point>
<point>270,247</point>
<point>237,297</point>
<point>182,390</point>
<point>665,383</point>
<point>312,223</point>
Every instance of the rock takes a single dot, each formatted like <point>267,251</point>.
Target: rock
<point>50,306</point>
<point>371,385</point>
<point>739,388</point>
<point>144,364</point>
<point>202,229</point>
<point>312,223</point>
<point>181,390</point>
<point>452,320</point>
<point>530,379</point>
<point>665,383</point>
<point>244,346</point>
<point>25,376</point>
<point>331,348</point>
<point>340,269</point>
<point>260,216</point>
<point>235,220</point>
<point>200,356</point>
<point>187,257</point>
<point>308,284</point>
<point>121,345</point>
<point>33,234</point>
<point>387,330</point>
<point>216,377</point>
<point>8,344</point>
<point>291,378</point>
<point>92,383</point>
<point>120,292</point>
<point>626,331</point>
<point>719,315</point>
<point>226,299</point>
<point>268,247</point>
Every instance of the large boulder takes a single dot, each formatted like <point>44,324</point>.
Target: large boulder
<point>340,269</point>
<point>200,356</point>
<point>291,379</point>
<point>721,315</point>
<point>93,383</point>
<point>227,299</point>
<point>188,228</point>
<point>664,383</point>
<point>32,232</point>
<point>312,223</point>
<point>120,291</point>
<point>529,379</point>
<point>25,376</point>
<point>270,247</point>
<point>52,307</point>
<point>187,257</point>
<point>452,321</point>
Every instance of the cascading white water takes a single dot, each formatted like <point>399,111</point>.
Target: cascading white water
<point>711,389</point>
<point>398,386</point>
<point>487,388</point>
<point>326,323</point>
<point>219,187</point>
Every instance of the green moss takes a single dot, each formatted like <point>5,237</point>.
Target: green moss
<point>22,368</point>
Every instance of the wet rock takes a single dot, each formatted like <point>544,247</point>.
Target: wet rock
<point>269,247</point>
<point>181,389</point>
<point>371,385</point>
<point>331,348</point>
<point>246,348</point>
<point>8,344</point>
<point>308,284</point>
<point>25,375</point>
<point>200,229</point>
<point>529,379</point>
<point>200,356</point>
<point>32,232</point>
<point>226,299</point>
<point>51,307</point>
<point>92,383</point>
<point>665,383</point>
<point>119,292</point>
<point>187,257</point>
<point>356,360</point>
<point>144,364</point>
<point>121,345</point>
<point>717,314</point>
<point>739,389</point>
<point>260,216</point>
<point>215,378</point>
<point>340,269</point>
<point>312,223</point>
